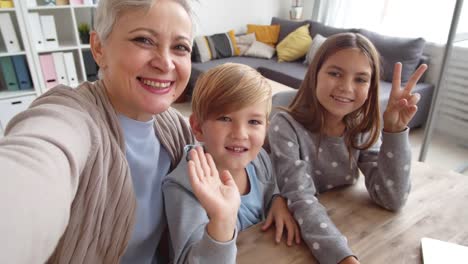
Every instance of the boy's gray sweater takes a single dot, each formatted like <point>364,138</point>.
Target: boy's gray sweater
<point>187,219</point>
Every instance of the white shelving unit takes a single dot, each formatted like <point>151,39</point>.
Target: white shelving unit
<point>67,18</point>
<point>19,28</point>
<point>12,102</point>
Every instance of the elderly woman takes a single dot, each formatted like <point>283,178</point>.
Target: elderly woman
<point>82,168</point>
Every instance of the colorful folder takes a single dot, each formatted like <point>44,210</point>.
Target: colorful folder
<point>90,66</point>
<point>48,70</point>
<point>6,66</point>
<point>22,72</point>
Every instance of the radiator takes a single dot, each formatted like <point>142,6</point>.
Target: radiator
<point>453,110</point>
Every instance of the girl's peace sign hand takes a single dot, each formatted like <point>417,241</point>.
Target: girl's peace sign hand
<point>402,103</point>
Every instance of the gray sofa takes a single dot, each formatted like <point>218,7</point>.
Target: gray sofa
<point>391,49</point>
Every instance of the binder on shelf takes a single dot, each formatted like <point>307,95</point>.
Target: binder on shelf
<point>49,31</point>
<point>76,2</point>
<point>36,30</point>
<point>3,86</point>
<point>48,70</point>
<point>6,66</point>
<point>22,72</point>
<point>6,4</point>
<point>8,33</point>
<point>62,2</point>
<point>90,66</point>
<point>32,3</point>
<point>71,69</point>
<point>60,69</point>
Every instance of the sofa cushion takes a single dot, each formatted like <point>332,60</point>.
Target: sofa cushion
<point>267,34</point>
<point>260,50</point>
<point>295,45</point>
<point>326,31</point>
<point>287,73</point>
<point>287,26</point>
<point>222,45</point>
<point>244,42</point>
<point>317,41</point>
<point>393,49</point>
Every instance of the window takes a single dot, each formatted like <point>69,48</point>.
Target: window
<point>403,18</point>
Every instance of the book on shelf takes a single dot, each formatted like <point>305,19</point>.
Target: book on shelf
<point>76,2</point>
<point>31,3</point>
<point>91,67</point>
<point>62,2</point>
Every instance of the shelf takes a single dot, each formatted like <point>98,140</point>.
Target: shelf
<point>36,8</point>
<point>66,18</point>
<point>57,7</point>
<point>60,48</point>
<point>84,6</point>
<point>7,9</point>
<point>8,54</point>
<point>13,94</point>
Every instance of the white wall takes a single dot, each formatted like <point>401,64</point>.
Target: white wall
<point>217,16</point>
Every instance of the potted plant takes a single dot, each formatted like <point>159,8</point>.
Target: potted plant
<point>296,10</point>
<point>83,29</point>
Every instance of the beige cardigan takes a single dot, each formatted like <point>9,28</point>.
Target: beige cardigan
<point>65,185</point>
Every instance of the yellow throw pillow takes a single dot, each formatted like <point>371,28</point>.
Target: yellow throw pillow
<point>266,34</point>
<point>295,45</point>
<point>232,37</point>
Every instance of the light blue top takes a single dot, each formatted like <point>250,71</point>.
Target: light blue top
<point>149,163</point>
<point>251,208</point>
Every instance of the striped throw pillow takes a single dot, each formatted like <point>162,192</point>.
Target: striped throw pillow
<point>216,46</point>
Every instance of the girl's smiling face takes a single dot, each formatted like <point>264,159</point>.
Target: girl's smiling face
<point>343,83</point>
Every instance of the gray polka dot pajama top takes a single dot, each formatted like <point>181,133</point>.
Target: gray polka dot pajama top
<point>304,169</point>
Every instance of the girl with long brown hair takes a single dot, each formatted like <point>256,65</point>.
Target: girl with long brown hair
<point>331,132</point>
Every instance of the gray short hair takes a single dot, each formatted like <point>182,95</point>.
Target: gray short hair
<point>108,11</point>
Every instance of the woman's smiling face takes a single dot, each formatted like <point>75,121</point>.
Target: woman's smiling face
<point>145,61</point>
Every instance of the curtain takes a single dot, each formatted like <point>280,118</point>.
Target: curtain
<point>403,18</point>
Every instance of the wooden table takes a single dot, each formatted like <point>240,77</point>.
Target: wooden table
<point>437,207</point>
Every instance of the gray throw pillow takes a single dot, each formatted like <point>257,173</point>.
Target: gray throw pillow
<point>326,31</point>
<point>286,26</point>
<point>317,41</point>
<point>392,50</point>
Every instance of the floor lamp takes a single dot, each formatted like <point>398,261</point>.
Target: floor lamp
<point>435,97</point>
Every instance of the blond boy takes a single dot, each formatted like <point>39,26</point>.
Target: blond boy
<point>205,209</point>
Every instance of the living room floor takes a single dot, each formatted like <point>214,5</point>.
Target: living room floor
<point>443,152</point>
